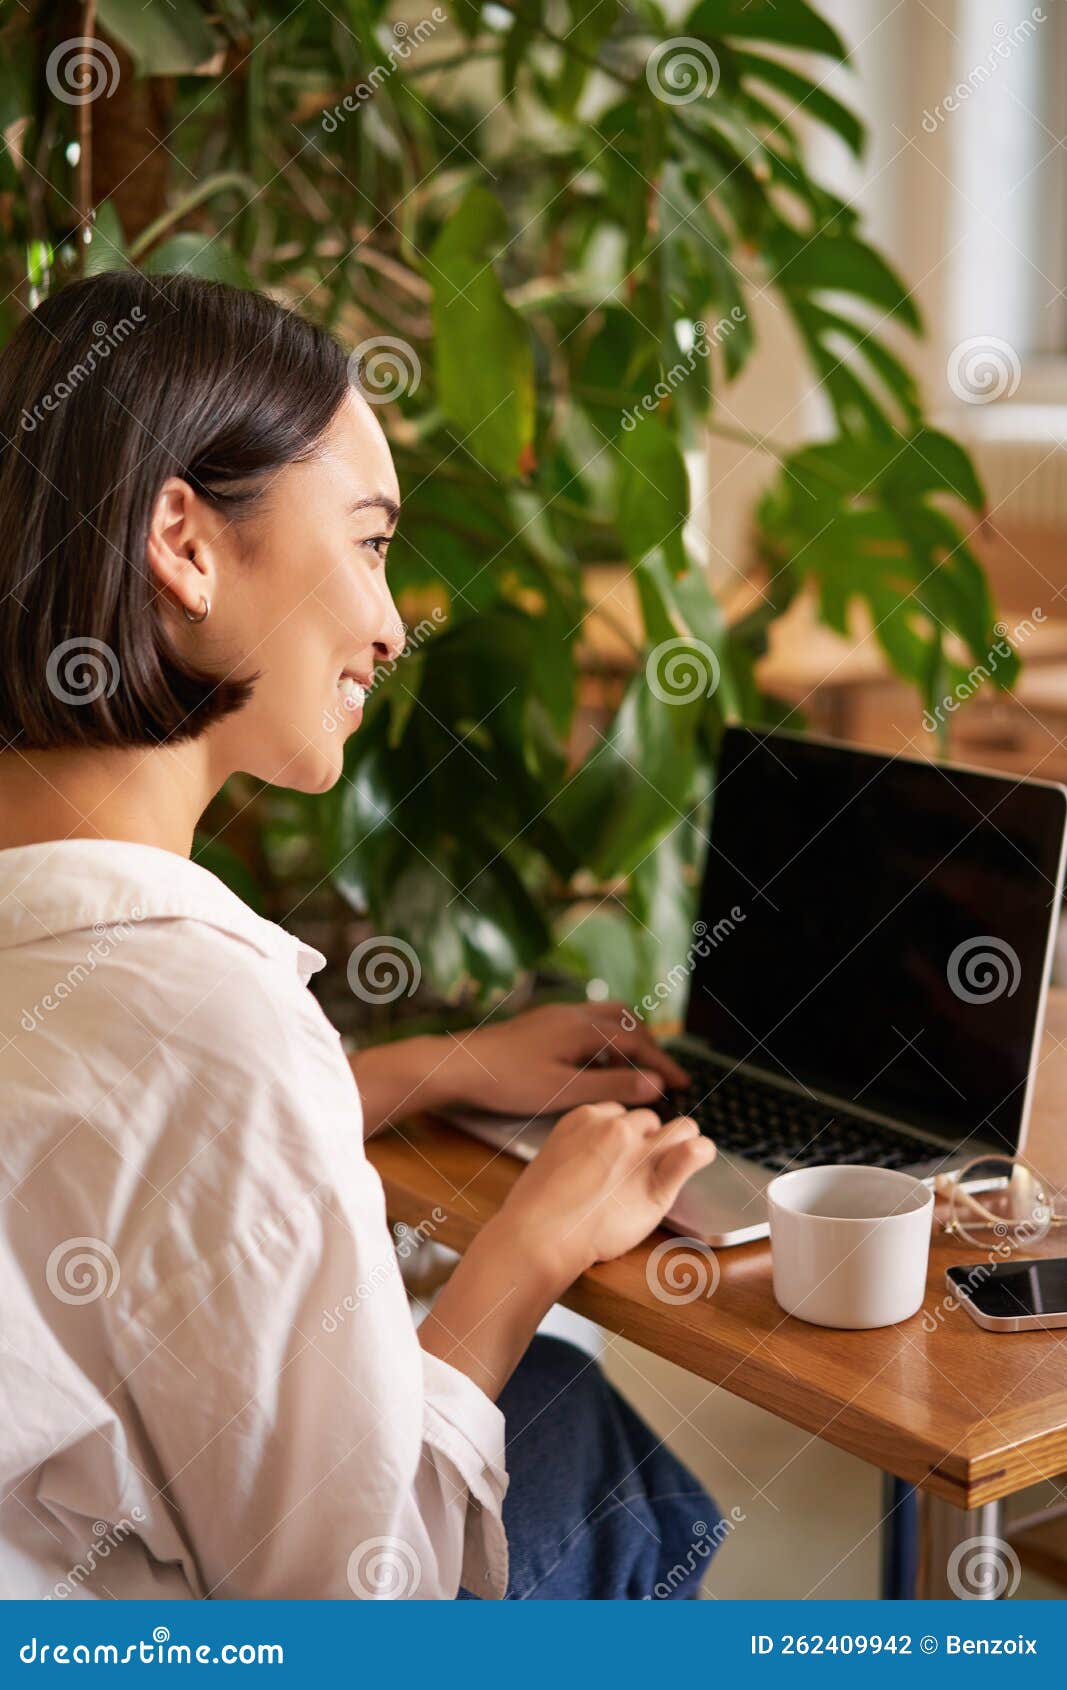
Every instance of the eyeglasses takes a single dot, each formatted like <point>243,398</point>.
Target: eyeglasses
<point>997,1201</point>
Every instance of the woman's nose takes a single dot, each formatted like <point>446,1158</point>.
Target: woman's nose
<point>390,643</point>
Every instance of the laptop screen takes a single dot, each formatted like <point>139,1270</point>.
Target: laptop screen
<point>877,928</point>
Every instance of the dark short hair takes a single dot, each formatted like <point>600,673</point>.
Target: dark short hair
<point>106,390</point>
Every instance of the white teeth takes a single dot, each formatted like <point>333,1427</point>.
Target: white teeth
<point>353,695</point>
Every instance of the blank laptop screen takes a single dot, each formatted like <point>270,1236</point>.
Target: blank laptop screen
<point>878,929</point>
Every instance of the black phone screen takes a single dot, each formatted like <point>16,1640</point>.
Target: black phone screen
<point>1011,1289</point>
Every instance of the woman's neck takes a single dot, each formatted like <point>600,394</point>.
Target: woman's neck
<point>149,797</point>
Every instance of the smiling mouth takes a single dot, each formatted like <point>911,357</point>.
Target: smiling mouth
<point>353,690</point>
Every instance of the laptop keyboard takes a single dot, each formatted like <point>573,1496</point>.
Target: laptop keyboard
<point>783,1129</point>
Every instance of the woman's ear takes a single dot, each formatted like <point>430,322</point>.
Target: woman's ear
<point>177,551</point>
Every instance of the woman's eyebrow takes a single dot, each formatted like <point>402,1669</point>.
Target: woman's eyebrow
<point>380,500</point>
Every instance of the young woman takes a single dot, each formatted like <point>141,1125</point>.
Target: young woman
<point>212,1384</point>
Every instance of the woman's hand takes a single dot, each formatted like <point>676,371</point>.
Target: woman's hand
<point>553,1058</point>
<point>539,1063</point>
<point>603,1179</point>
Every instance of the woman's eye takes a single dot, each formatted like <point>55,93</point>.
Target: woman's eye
<point>378,544</point>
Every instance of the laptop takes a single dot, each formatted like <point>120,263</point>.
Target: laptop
<point>867,974</point>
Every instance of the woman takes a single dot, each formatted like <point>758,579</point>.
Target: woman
<point>213,1384</point>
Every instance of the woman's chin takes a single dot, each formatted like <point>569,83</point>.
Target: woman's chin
<point>316,768</point>
<point>326,772</point>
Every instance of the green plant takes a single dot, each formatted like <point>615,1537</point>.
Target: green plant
<point>528,200</point>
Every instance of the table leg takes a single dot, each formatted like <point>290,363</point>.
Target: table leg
<point>933,1550</point>
<point>900,1539</point>
<point>962,1552</point>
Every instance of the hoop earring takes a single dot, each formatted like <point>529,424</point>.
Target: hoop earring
<point>200,615</point>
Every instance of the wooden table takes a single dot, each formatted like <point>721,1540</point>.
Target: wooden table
<point>967,1416</point>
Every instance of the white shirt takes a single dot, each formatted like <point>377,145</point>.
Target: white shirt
<point>210,1382</point>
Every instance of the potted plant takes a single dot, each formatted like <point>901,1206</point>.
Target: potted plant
<point>539,225</point>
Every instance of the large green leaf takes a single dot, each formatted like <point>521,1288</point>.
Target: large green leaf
<point>198,255</point>
<point>791,23</point>
<point>520,38</point>
<point>807,97</point>
<point>827,262</point>
<point>637,780</point>
<point>606,943</point>
<point>857,517</point>
<point>713,291</point>
<point>683,603</point>
<point>834,340</point>
<point>468,15</point>
<point>662,897</point>
<point>932,462</point>
<point>164,37</point>
<point>483,357</point>
<point>592,22</point>
<point>428,867</point>
<point>653,497</point>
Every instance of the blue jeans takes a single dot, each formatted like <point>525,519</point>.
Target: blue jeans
<point>597,1508</point>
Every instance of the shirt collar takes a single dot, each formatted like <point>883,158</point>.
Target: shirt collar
<point>68,885</point>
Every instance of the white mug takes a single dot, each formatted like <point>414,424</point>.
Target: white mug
<point>849,1245</point>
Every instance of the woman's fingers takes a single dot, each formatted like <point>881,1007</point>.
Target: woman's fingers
<point>678,1164</point>
<point>606,1175</point>
<point>620,1084</point>
<point>682,1127</point>
<point>635,1044</point>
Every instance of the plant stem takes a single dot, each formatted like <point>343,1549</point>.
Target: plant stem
<point>454,60</point>
<point>569,47</point>
<point>174,214</point>
<point>83,182</point>
<point>742,437</point>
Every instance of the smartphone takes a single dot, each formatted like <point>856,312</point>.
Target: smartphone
<point>1013,1296</point>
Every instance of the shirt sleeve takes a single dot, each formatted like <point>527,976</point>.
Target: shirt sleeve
<point>308,1444</point>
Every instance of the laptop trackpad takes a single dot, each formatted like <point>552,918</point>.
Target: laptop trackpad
<point>517,1134</point>
<point>722,1203</point>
